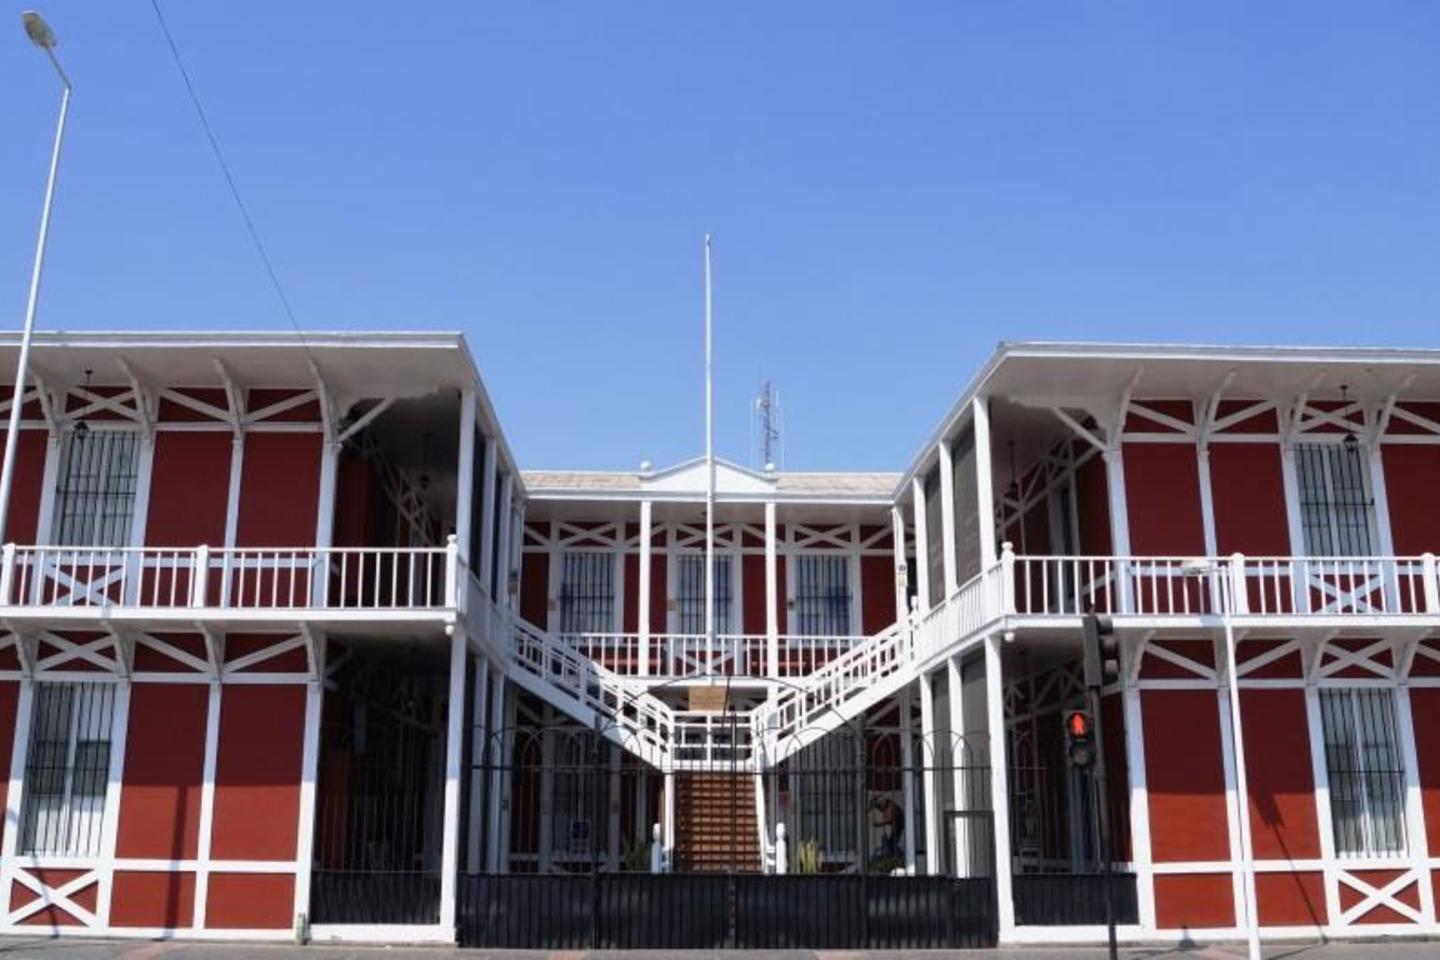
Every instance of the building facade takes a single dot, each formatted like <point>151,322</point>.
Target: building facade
<point>292,647</point>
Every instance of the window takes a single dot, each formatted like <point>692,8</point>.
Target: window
<point>95,496</point>
<point>968,560</point>
<point>1367,778</point>
<point>822,595</point>
<point>1335,501</point>
<point>587,592</point>
<point>935,538</point>
<point>690,596</point>
<point>67,769</point>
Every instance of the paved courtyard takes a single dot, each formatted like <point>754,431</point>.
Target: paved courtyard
<point>51,949</point>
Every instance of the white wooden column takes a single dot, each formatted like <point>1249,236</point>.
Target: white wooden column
<point>479,740</point>
<point>902,569</point>
<point>1207,499</point>
<point>465,477</point>
<point>957,764</point>
<point>922,543</point>
<point>503,535</point>
<point>110,822</point>
<point>1140,852</point>
<point>450,825</point>
<point>1414,800</point>
<point>947,520</point>
<point>1119,517</point>
<point>489,475</point>
<point>929,759</point>
<point>772,595</point>
<point>309,777</point>
<point>984,480</point>
<point>999,785</point>
<point>325,514</point>
<point>907,763</point>
<point>642,615</point>
<point>24,709</point>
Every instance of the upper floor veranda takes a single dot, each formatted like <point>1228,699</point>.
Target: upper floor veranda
<point>365,479</point>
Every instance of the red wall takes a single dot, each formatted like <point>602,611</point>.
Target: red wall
<point>1162,498</point>
<point>9,701</point>
<point>164,770</point>
<point>535,588</point>
<point>279,490</point>
<point>189,489</point>
<point>1425,710</point>
<point>752,574</point>
<point>25,486</point>
<point>1092,499</point>
<point>257,772</point>
<point>1410,487</point>
<point>1248,488</point>
<point>257,901</point>
<point>1283,824</point>
<point>1186,787</point>
<point>877,594</point>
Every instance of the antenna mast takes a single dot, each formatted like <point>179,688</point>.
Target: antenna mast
<point>767,406</point>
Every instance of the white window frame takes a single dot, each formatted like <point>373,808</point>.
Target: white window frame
<point>82,831</point>
<point>1371,844</point>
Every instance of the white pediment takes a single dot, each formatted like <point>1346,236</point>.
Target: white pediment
<point>689,477</point>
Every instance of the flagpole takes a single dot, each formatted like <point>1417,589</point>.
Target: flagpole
<point>709,464</point>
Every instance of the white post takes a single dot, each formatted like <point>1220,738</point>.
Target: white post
<point>120,726</point>
<point>207,800</point>
<point>772,595</point>
<point>1119,523</point>
<point>10,831</point>
<point>324,522</point>
<point>489,477</point>
<point>709,466</point>
<point>947,518</point>
<point>452,572</point>
<point>504,532</point>
<point>479,736</point>
<point>200,577</point>
<point>7,575</point>
<point>902,569</point>
<point>929,759</point>
<point>309,776</point>
<point>782,850</point>
<point>984,479</point>
<point>1242,797</point>
<point>1414,798</point>
<point>922,544</point>
<point>1428,569</point>
<point>657,850</point>
<point>1140,852</point>
<point>957,764</point>
<point>465,475</point>
<point>999,785</point>
<point>642,615</point>
<point>907,763</point>
<point>454,732</point>
<point>499,757</point>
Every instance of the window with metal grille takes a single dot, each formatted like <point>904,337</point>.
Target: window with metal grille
<point>67,769</point>
<point>95,495</point>
<point>1367,777</point>
<point>822,595</point>
<point>587,592</point>
<point>690,595</point>
<point>1335,504</point>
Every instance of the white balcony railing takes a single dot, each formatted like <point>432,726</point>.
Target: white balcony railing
<point>687,655</point>
<point>328,578</point>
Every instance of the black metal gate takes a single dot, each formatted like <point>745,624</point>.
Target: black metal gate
<point>569,815</point>
<point>380,791</point>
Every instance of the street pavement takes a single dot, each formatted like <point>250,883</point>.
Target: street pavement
<point>72,949</point>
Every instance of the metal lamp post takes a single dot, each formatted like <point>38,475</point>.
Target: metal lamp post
<point>43,37</point>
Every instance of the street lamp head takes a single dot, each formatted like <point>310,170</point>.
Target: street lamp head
<point>38,30</point>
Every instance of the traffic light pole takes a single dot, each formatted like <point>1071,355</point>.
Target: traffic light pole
<point>1102,802</point>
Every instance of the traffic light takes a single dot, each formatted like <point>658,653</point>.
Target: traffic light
<point>1102,652</point>
<point>1079,739</point>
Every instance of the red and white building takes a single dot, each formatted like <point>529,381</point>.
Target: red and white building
<point>292,647</point>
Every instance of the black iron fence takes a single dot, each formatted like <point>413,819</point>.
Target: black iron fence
<point>624,911</point>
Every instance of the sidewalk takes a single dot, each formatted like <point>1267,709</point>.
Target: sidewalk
<point>53,949</point>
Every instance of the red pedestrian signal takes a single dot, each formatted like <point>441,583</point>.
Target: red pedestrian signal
<point>1079,739</point>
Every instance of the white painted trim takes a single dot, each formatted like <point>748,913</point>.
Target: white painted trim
<point>947,517</point>
<point>232,492</point>
<point>922,543</point>
<point>999,785</point>
<point>309,778</point>
<point>10,837</point>
<point>1416,839</point>
<point>479,737</point>
<point>139,516</point>
<point>110,824</point>
<point>955,690</point>
<point>207,805</point>
<point>499,805</point>
<point>325,512</point>
<point>984,481</point>
<point>465,476</point>
<point>930,741</point>
<point>454,733</point>
<point>642,602</point>
<point>1290,479</point>
<point>1207,500</point>
<point>50,480</point>
<point>488,478</point>
<point>387,933</point>
<point>772,593</point>
<point>1141,855</point>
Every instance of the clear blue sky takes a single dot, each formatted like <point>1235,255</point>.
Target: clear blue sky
<point>894,187</point>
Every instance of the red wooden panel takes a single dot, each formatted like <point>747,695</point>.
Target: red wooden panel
<point>164,771</point>
<point>279,490</point>
<point>144,899</point>
<point>1425,712</point>
<point>1283,822</point>
<point>253,901</point>
<point>1117,774</point>
<point>1162,498</point>
<point>877,594</point>
<point>1410,475</point>
<point>9,702</point>
<point>659,598</point>
<point>630,606</point>
<point>1194,901</point>
<point>1248,487</point>
<point>1092,498</point>
<point>189,489</point>
<point>54,915</point>
<point>25,486</point>
<point>1290,899</point>
<point>535,587</point>
<point>752,573</point>
<point>1186,787</point>
<point>257,773</point>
